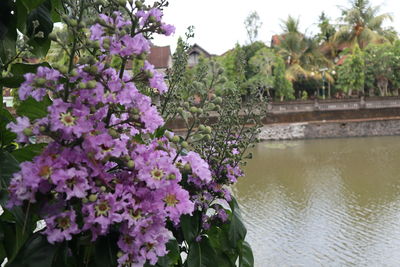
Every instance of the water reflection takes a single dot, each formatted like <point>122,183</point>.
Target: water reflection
<point>332,202</point>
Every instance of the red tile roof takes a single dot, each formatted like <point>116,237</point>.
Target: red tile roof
<point>160,56</point>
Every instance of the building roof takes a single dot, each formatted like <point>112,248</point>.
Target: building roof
<point>198,49</point>
<point>160,56</point>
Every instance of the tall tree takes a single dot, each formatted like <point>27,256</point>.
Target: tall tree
<point>351,74</point>
<point>283,87</point>
<point>301,53</point>
<point>363,24</point>
<point>252,24</point>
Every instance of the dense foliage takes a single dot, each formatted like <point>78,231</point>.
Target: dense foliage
<point>311,61</point>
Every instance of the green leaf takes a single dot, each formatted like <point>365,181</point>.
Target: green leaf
<point>246,258</point>
<point>106,251</point>
<point>17,72</point>
<point>34,109</point>
<point>36,252</point>
<point>172,257</point>
<point>8,166</point>
<point>219,239</point>
<point>201,254</point>
<point>42,14</point>
<point>237,230</point>
<point>6,136</point>
<point>8,31</point>
<point>22,13</point>
<point>27,153</point>
<point>31,4</point>
<point>56,9</point>
<point>190,226</point>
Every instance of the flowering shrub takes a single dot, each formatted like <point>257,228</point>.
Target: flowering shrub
<point>111,177</point>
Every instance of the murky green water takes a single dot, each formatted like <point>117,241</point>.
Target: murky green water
<point>333,202</point>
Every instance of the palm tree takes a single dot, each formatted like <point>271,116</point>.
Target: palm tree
<point>301,53</point>
<point>362,24</point>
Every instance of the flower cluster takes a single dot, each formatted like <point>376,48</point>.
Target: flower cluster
<point>103,172</point>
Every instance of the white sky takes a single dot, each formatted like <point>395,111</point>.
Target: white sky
<point>219,23</point>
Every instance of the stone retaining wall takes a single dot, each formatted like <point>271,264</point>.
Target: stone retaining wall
<point>330,129</point>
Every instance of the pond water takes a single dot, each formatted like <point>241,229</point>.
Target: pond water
<point>331,202</point>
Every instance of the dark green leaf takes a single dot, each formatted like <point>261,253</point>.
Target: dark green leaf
<point>31,4</point>
<point>42,14</point>
<point>246,258</point>
<point>27,153</point>
<point>106,251</point>
<point>36,252</point>
<point>6,136</point>
<point>34,109</point>
<point>201,254</point>
<point>8,31</point>
<point>237,230</point>
<point>172,257</point>
<point>190,226</point>
<point>219,239</point>
<point>56,9</point>
<point>22,13</point>
<point>8,166</point>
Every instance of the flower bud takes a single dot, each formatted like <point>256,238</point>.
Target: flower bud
<point>187,168</point>
<point>138,4</point>
<point>52,36</point>
<point>175,139</point>
<point>40,81</point>
<point>103,188</point>
<point>42,129</point>
<point>91,84</point>
<point>74,72</point>
<point>82,85</point>
<point>113,133</point>
<point>73,22</point>
<point>207,137</point>
<point>202,127</point>
<point>200,110</point>
<point>171,176</point>
<point>193,109</point>
<point>208,130</point>
<point>179,110</point>
<point>218,100</point>
<point>130,164</point>
<point>28,132</point>
<point>185,144</point>
<point>92,197</point>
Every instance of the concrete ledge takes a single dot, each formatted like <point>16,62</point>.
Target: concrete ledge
<point>331,129</point>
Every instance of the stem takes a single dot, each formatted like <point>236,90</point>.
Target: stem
<point>73,50</point>
<point>26,218</point>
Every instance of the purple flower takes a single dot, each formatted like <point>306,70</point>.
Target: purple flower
<point>102,214</point>
<point>96,31</point>
<point>36,85</point>
<point>157,80</point>
<point>19,128</point>
<point>200,168</point>
<point>176,201</point>
<point>167,29</point>
<point>61,227</point>
<point>73,182</point>
<point>69,119</point>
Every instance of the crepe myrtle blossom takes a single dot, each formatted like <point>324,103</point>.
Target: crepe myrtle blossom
<point>22,128</point>
<point>61,227</point>
<point>36,85</point>
<point>104,170</point>
<point>156,79</point>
